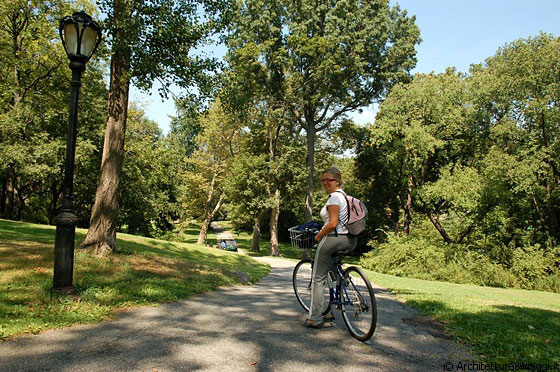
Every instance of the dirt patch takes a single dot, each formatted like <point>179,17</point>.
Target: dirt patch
<point>164,266</point>
<point>428,325</point>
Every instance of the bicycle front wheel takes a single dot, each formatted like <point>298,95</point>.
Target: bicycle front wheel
<point>302,280</point>
<point>359,307</point>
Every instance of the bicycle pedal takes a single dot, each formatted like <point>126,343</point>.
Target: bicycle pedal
<point>329,318</point>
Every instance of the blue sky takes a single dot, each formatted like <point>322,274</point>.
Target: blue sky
<point>454,33</point>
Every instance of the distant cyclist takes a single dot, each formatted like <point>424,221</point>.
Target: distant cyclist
<point>332,238</point>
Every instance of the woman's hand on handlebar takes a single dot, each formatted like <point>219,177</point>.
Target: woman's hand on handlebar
<point>317,239</point>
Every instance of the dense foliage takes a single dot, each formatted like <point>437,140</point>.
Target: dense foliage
<point>460,171</point>
<point>34,96</point>
<point>477,156</point>
<point>319,60</point>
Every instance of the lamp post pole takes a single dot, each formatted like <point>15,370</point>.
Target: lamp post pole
<point>80,36</point>
<point>66,220</point>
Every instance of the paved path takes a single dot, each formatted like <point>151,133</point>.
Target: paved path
<point>241,328</point>
<point>221,234</point>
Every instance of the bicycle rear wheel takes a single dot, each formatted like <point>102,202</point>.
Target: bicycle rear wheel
<point>301,280</point>
<point>359,310</point>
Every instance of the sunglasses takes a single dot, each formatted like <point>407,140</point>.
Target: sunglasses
<point>327,180</point>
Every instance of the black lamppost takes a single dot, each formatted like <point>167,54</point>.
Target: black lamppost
<point>80,36</point>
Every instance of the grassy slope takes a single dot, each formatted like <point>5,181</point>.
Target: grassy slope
<point>146,271</point>
<point>501,325</point>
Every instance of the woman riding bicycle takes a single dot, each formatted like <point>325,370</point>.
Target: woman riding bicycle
<point>332,238</point>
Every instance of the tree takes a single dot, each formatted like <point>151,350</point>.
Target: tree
<point>149,41</point>
<point>24,66</point>
<point>477,154</point>
<point>321,59</point>
<point>146,203</point>
<point>201,194</point>
<point>247,190</point>
<point>270,131</point>
<point>517,95</point>
<point>34,86</point>
<point>422,128</point>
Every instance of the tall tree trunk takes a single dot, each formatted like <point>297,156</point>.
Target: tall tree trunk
<point>407,209</point>
<point>103,224</point>
<point>439,227</point>
<point>16,29</point>
<point>10,193</point>
<point>20,206</point>
<point>206,223</point>
<point>393,217</point>
<point>204,230</point>
<point>274,134</point>
<point>256,235</point>
<point>551,209</point>
<point>3,195</point>
<point>207,209</point>
<point>310,165</point>
<point>15,22</point>
<point>274,222</point>
<point>553,227</point>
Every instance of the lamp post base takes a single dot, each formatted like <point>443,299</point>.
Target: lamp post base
<point>64,252</point>
<point>70,290</point>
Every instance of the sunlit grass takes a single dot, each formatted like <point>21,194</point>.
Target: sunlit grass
<point>500,325</point>
<point>145,271</point>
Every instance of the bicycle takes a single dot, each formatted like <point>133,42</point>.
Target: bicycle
<point>349,289</point>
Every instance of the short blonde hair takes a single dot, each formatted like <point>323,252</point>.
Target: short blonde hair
<point>335,173</point>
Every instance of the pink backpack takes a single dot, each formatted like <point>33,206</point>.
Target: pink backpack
<point>357,215</point>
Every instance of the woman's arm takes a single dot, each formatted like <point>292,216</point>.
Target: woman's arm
<point>333,221</point>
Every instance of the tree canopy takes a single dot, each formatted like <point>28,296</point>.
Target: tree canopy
<point>459,170</point>
<point>320,59</point>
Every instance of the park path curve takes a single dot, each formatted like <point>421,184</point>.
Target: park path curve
<point>240,328</point>
<point>221,234</point>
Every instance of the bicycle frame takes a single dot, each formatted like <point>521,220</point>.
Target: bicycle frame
<point>339,294</point>
<point>349,290</point>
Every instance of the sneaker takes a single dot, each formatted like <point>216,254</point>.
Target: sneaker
<point>317,324</point>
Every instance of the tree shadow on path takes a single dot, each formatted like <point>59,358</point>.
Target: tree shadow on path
<point>242,328</point>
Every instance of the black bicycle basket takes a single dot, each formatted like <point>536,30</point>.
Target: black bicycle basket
<point>303,236</point>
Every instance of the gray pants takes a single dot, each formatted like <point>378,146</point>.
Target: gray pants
<point>323,263</point>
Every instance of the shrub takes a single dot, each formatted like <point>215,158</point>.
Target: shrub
<point>425,258</point>
<point>406,256</point>
<point>536,268</point>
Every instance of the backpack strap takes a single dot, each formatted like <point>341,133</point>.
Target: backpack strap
<point>335,232</point>
<point>347,211</point>
<point>347,206</point>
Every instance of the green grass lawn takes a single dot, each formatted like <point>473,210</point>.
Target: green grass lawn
<point>500,325</point>
<point>145,271</point>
